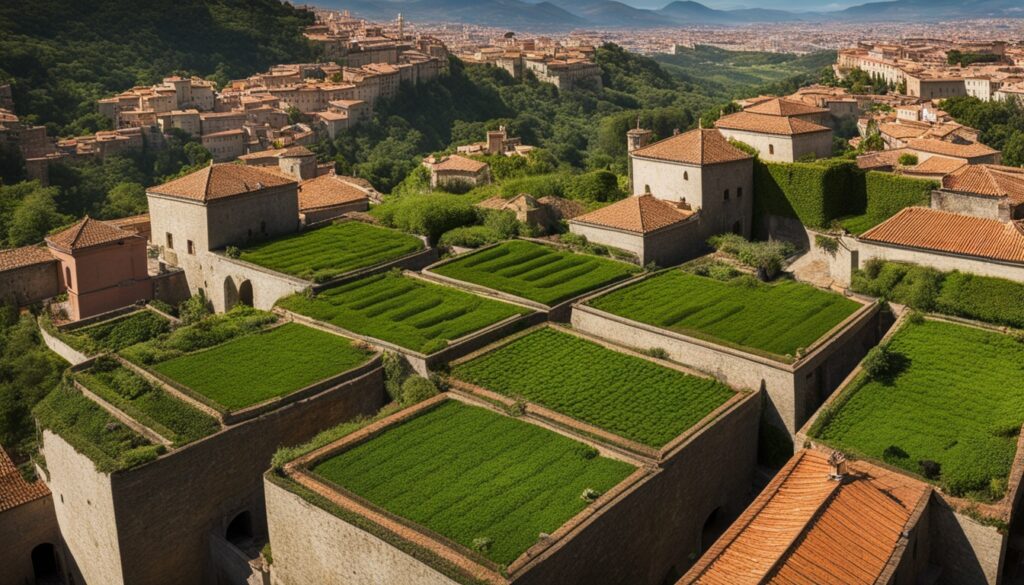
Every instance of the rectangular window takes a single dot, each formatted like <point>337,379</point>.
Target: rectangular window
<point>739,192</point>
<point>726,195</point>
<point>191,247</point>
<point>170,241</point>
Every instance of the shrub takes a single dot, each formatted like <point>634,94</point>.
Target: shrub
<point>232,252</point>
<point>594,186</point>
<point>482,544</point>
<point>573,240</point>
<point>657,352</point>
<point>827,243</point>
<point>908,159</point>
<point>164,307</point>
<point>539,186</point>
<point>428,215</point>
<point>417,389</point>
<point>395,371</point>
<point>881,363</point>
<point>765,257</point>
<point>194,309</point>
<point>470,237</point>
<point>590,494</point>
<point>930,469</point>
<point>504,223</point>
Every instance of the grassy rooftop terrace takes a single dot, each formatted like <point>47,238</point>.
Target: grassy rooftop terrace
<point>626,395</point>
<point>250,369</point>
<point>773,320</point>
<point>953,397</point>
<point>117,333</point>
<point>324,253</point>
<point>484,480</point>
<point>544,274</point>
<point>171,418</point>
<point>92,431</point>
<point>405,311</point>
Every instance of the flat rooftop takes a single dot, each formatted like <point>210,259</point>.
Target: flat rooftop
<point>629,396</point>
<point>487,481</point>
<point>540,273</point>
<point>953,400</point>
<point>256,367</point>
<point>327,252</point>
<point>403,310</point>
<point>773,320</point>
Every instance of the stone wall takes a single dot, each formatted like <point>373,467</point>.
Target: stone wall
<point>30,284</point>
<point>161,515</point>
<point>794,390</point>
<point>227,276</point>
<point>59,347</point>
<point>311,545</point>
<point>968,204</point>
<point>22,529</point>
<point>939,260</point>
<point>966,550</point>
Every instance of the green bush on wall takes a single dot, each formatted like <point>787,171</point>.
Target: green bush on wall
<point>822,192</point>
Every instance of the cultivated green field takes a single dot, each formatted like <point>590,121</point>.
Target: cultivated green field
<point>409,312</point>
<point>468,473</point>
<point>169,417</point>
<point>117,333</point>
<point>958,401</point>
<point>253,368</point>
<point>771,319</point>
<point>322,254</point>
<point>93,431</point>
<point>537,272</point>
<point>626,395</point>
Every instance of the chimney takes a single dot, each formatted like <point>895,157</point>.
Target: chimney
<point>836,466</point>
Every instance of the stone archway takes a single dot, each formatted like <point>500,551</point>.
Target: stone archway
<point>230,294</point>
<point>239,531</point>
<point>245,293</point>
<point>714,525</point>
<point>45,565</point>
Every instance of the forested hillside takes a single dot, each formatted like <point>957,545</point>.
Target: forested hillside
<point>63,55</point>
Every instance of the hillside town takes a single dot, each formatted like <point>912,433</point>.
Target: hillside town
<point>775,339</point>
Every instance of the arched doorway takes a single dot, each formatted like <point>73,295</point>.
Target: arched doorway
<point>239,531</point>
<point>714,526</point>
<point>45,565</point>
<point>245,293</point>
<point>230,294</point>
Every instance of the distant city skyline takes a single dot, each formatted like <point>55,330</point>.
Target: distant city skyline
<point>791,5</point>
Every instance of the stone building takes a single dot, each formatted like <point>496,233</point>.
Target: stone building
<point>653,230</point>
<point>778,138</point>
<point>225,145</point>
<point>32,551</point>
<point>457,172</point>
<point>28,275</point>
<point>330,196</point>
<point>215,207</point>
<point>972,153</point>
<point>988,191</point>
<point>103,267</point>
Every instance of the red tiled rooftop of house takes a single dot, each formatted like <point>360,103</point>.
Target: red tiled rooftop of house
<point>640,214</point>
<point>696,147</point>
<point>219,181</point>
<point>765,124</point>
<point>807,528</point>
<point>14,490</point>
<point>933,146</point>
<point>459,164</point>
<point>87,233</point>
<point>942,231</point>
<point>991,180</point>
<point>937,165</point>
<point>784,107</point>
<point>328,191</point>
<point>14,258</point>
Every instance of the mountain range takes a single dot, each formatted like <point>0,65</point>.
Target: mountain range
<point>569,14</point>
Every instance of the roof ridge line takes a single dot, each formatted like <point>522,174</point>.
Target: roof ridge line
<point>81,230</point>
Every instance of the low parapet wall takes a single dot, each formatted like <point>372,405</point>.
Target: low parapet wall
<point>794,389</point>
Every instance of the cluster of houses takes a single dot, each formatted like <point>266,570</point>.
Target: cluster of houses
<point>565,67</point>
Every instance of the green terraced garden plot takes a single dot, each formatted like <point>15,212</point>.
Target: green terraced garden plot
<point>171,418</point>
<point>409,312</point>
<point>537,272</point>
<point>958,402</point>
<point>631,397</point>
<point>253,368</point>
<point>770,319</point>
<point>331,251</point>
<point>468,473</point>
<point>117,333</point>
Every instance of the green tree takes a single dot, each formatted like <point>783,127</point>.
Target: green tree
<point>35,216</point>
<point>123,200</point>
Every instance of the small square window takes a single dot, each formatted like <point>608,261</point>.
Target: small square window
<point>191,247</point>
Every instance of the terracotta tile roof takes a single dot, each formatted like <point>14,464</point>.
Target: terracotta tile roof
<point>219,181</point>
<point>14,258</point>
<point>942,231</point>
<point>87,233</point>
<point>932,146</point>
<point>992,180</point>
<point>133,222</point>
<point>328,191</point>
<point>806,528</point>
<point>936,165</point>
<point>784,107</point>
<point>459,164</point>
<point>14,490</point>
<point>640,214</point>
<point>696,147</point>
<point>901,131</point>
<point>565,208</point>
<point>881,159</point>
<point>295,151</point>
<point>764,124</point>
